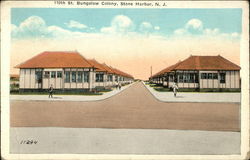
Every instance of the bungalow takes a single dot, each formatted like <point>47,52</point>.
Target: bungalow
<point>14,79</point>
<point>63,70</point>
<point>110,75</point>
<point>106,76</point>
<point>201,72</point>
<point>100,73</point>
<point>121,76</point>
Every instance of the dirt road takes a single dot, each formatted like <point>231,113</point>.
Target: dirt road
<point>135,107</point>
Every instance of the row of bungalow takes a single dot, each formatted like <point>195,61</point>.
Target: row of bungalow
<point>200,72</point>
<point>68,71</point>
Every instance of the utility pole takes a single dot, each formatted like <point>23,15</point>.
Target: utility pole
<point>150,71</point>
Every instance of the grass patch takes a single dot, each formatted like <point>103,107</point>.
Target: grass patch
<point>205,90</point>
<point>43,93</point>
<point>57,92</point>
<point>162,89</point>
<point>220,90</point>
<point>155,85</point>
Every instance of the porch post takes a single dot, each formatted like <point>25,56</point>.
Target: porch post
<point>91,79</point>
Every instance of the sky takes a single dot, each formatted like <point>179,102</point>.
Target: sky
<point>132,40</point>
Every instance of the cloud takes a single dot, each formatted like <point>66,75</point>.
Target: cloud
<point>157,28</point>
<point>180,31</point>
<point>235,35</point>
<point>76,24</point>
<point>214,31</point>
<point>194,28</point>
<point>194,24</point>
<point>35,27</point>
<point>146,27</point>
<point>119,24</point>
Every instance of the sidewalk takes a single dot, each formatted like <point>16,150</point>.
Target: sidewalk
<point>84,98</point>
<point>122,141</point>
<point>195,97</point>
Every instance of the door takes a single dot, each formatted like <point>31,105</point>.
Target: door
<point>39,79</point>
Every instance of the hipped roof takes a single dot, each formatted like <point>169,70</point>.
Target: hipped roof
<point>67,59</point>
<point>201,63</point>
<point>99,67</point>
<point>206,63</point>
<point>58,59</point>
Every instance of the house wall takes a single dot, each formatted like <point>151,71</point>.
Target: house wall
<point>57,83</point>
<point>232,80</point>
<point>78,85</point>
<point>101,84</point>
<point>27,79</point>
<point>109,83</point>
<point>91,79</point>
<point>188,85</point>
<point>209,83</point>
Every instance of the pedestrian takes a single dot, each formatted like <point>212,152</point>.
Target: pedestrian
<point>119,85</point>
<point>175,88</point>
<point>116,85</point>
<point>51,91</point>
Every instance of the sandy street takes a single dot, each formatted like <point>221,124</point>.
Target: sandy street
<point>134,107</point>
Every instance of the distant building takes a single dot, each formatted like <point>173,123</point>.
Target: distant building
<point>14,79</point>
<point>63,70</point>
<point>200,72</point>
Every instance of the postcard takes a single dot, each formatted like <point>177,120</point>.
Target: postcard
<point>125,80</point>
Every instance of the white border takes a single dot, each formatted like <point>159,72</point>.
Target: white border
<point>5,63</point>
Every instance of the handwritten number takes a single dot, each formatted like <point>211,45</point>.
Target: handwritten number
<point>30,142</point>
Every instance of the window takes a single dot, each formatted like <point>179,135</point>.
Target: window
<point>67,77</point>
<point>53,74</point>
<point>59,74</point>
<point>188,77</point>
<point>196,78</point>
<point>215,76</point>
<point>222,77</point>
<point>38,76</point>
<point>110,78</point>
<point>171,78</point>
<point>191,78</point>
<point>203,75</point>
<point>116,78</point>
<point>180,77</point>
<point>73,77</point>
<point>99,77</point>
<point>86,76</point>
<point>46,74</point>
<point>210,76</point>
<point>79,76</point>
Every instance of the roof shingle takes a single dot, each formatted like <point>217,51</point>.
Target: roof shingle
<point>57,59</point>
<point>201,63</point>
<point>99,67</point>
<point>206,63</point>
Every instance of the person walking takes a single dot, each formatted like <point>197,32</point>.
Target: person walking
<point>116,84</point>
<point>175,88</point>
<point>51,91</point>
<point>119,85</point>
